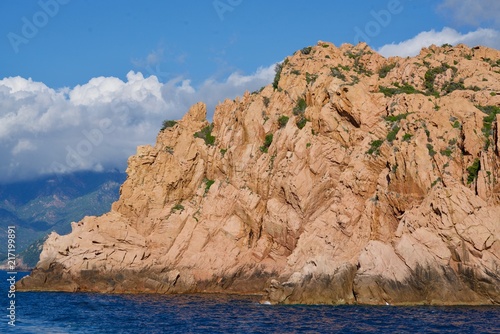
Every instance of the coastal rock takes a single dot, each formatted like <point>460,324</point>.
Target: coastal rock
<point>355,179</point>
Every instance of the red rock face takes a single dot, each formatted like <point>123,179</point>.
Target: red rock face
<point>380,187</point>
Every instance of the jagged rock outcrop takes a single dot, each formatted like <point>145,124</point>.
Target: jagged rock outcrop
<point>352,179</point>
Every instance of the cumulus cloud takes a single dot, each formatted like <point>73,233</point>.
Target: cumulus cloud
<point>472,12</point>
<point>97,125</point>
<point>411,47</point>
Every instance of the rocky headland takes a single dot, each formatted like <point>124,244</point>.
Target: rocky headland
<point>352,178</point>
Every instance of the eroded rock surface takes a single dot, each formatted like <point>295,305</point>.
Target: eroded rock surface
<point>380,187</point>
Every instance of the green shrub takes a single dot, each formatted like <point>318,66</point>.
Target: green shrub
<point>355,80</point>
<point>456,125</point>
<point>407,136</point>
<point>387,91</point>
<point>268,140</point>
<point>208,184</point>
<point>358,66</point>
<point>430,148</point>
<point>177,207</point>
<point>375,147</point>
<point>278,69</point>
<point>392,134</point>
<point>474,88</point>
<point>301,122</point>
<point>168,124</point>
<point>431,74</point>
<point>446,152</point>
<point>282,120</point>
<point>353,55</point>
<point>435,182</point>
<point>206,135</point>
<point>223,151</point>
<point>300,107</point>
<point>266,101</point>
<point>489,109</point>
<point>405,89</point>
<point>491,113</point>
<point>336,72</point>
<point>361,69</point>
<point>430,77</point>
<point>306,50</point>
<point>384,70</point>
<point>311,78</point>
<point>452,86</point>
<point>396,118</point>
<point>473,171</point>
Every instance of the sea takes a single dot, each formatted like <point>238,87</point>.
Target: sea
<point>51,312</point>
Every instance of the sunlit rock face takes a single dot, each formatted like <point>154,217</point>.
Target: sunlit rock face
<point>351,179</point>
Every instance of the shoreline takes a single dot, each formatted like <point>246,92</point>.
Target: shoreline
<point>258,295</point>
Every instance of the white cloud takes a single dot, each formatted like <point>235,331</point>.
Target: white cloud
<point>23,145</point>
<point>411,47</point>
<point>103,90</point>
<point>472,12</point>
<point>97,125</point>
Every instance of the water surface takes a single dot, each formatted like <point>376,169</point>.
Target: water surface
<point>49,312</point>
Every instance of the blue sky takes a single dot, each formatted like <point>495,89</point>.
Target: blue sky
<point>197,39</point>
<point>67,65</point>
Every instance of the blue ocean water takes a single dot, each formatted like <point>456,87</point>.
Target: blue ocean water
<point>48,312</point>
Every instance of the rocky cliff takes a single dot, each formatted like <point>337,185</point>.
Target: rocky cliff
<point>351,179</point>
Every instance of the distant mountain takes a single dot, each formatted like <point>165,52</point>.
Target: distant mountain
<point>40,206</point>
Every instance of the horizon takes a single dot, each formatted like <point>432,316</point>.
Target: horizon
<point>101,77</point>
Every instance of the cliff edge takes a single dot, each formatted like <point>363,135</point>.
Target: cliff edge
<point>351,179</point>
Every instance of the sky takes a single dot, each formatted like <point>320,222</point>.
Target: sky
<point>84,82</point>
